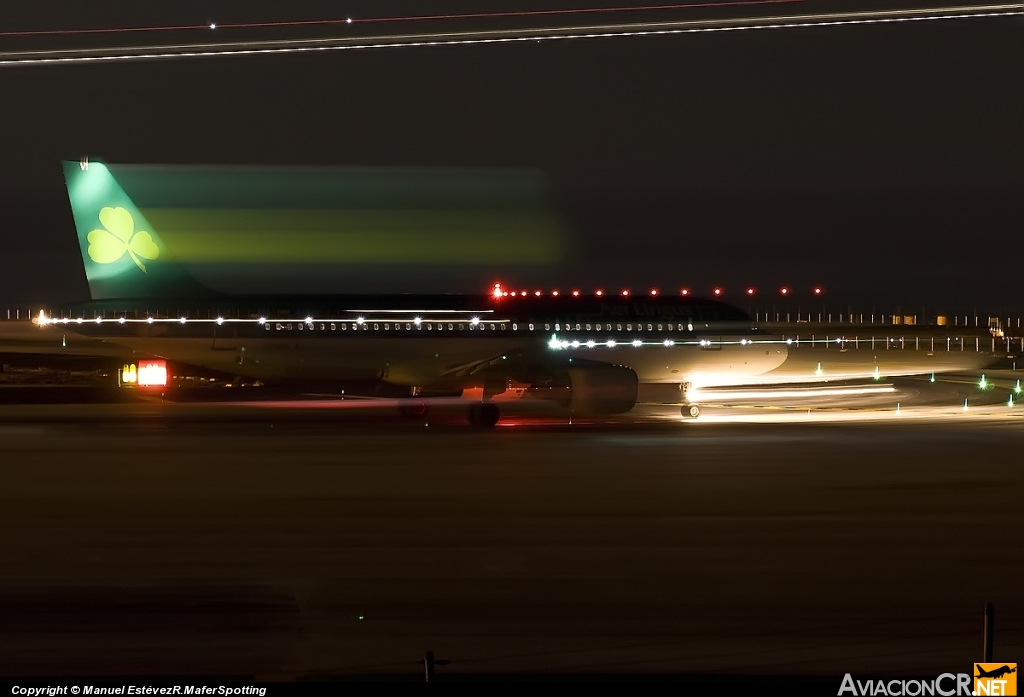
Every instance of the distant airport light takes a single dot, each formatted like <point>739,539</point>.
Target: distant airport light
<point>554,293</point>
<point>100,319</point>
<point>784,291</point>
<point>684,291</point>
<point>475,321</point>
<point>669,342</point>
<point>600,292</point>
<point>654,291</point>
<point>575,344</point>
<point>625,293</point>
<point>183,320</point>
<point>537,293</point>
<point>417,321</point>
<point>817,291</point>
<point>523,293</point>
<point>591,344</point>
<point>360,320</point>
<point>717,291</point>
<point>263,320</point>
<point>220,320</point>
<point>610,343</point>
<point>121,321</point>
<point>575,294</point>
<point>497,290</point>
<point>348,20</point>
<point>637,343</point>
<point>213,25</point>
<point>750,291</point>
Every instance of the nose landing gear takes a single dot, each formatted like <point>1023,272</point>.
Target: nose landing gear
<point>689,410</point>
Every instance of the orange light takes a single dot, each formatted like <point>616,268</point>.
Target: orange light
<point>575,294</point>
<point>654,291</point>
<point>717,291</point>
<point>625,292</point>
<point>152,373</point>
<point>600,292</point>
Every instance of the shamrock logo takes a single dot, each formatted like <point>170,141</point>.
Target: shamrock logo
<point>119,237</point>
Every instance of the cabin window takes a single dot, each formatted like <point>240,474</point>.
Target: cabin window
<point>376,326</point>
<point>649,328</point>
<point>659,327</point>
<point>300,327</point>
<point>408,327</point>
<point>449,327</point>
<point>333,327</point>
<point>670,327</point>
<point>503,327</point>
<point>547,327</point>
<point>531,326</point>
<point>279,326</point>
<point>267,327</point>
<point>629,327</point>
<point>577,326</point>
<point>430,327</point>
<point>289,326</point>
<point>515,327</point>
<point>618,327</point>
<point>588,327</point>
<point>462,327</point>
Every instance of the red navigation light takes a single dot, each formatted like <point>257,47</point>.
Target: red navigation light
<point>685,291</point>
<point>625,293</point>
<point>152,373</point>
<point>750,291</point>
<point>654,291</point>
<point>717,291</point>
<point>575,294</point>
<point>817,291</point>
<point>600,292</point>
<point>784,291</point>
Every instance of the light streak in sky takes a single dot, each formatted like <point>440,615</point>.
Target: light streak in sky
<point>295,46</point>
<point>405,18</point>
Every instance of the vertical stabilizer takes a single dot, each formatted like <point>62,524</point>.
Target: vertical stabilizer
<point>124,256</point>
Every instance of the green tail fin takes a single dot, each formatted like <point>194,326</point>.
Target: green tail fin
<point>124,256</point>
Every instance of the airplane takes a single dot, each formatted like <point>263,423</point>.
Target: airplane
<point>995,672</point>
<point>590,353</point>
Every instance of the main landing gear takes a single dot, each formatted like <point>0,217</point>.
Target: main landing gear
<point>484,415</point>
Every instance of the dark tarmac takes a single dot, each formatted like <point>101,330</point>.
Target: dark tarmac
<point>286,542</point>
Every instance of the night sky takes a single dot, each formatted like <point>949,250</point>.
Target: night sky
<point>882,162</point>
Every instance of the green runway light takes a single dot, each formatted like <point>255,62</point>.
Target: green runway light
<point>1010,402</point>
<point>965,404</point>
<point>983,383</point>
<point>877,375</point>
<point>1016,390</point>
<point>932,379</point>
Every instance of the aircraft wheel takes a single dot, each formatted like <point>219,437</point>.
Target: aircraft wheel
<point>690,411</point>
<point>413,411</point>
<point>483,415</point>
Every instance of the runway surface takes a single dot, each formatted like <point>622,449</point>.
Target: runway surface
<point>302,539</point>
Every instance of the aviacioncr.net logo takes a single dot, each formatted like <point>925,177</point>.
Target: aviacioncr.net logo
<point>119,237</point>
<point>946,685</point>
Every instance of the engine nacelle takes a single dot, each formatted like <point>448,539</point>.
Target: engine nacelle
<point>602,389</point>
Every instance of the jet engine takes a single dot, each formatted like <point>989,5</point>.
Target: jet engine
<point>594,389</point>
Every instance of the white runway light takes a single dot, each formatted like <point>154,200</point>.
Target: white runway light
<point>501,36</point>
